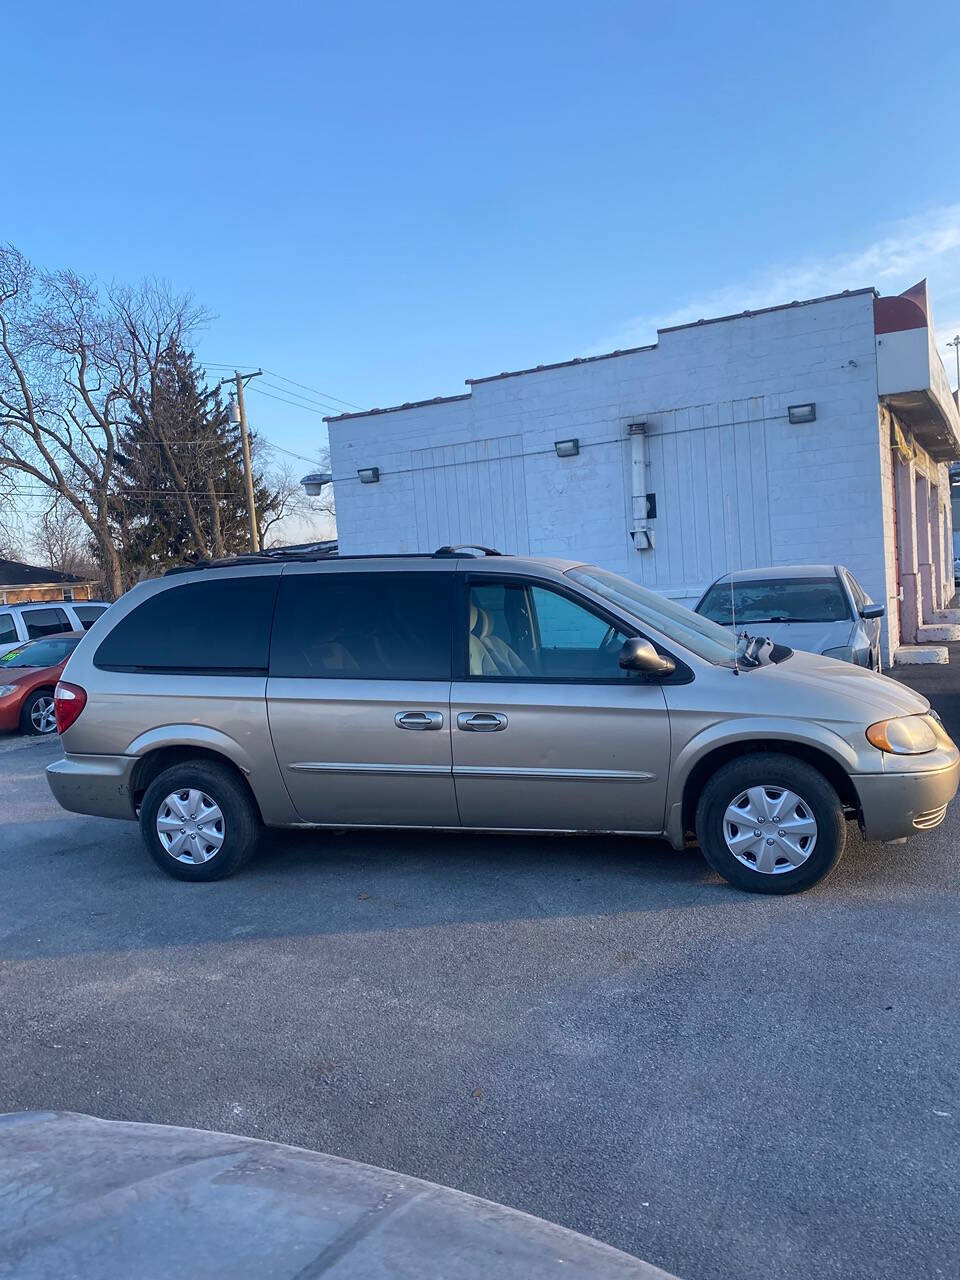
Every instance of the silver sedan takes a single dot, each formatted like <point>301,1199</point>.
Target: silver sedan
<point>819,608</point>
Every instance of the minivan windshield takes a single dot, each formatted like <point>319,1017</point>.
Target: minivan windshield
<point>701,636</point>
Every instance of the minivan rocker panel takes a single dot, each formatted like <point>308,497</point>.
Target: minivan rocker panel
<point>490,692</point>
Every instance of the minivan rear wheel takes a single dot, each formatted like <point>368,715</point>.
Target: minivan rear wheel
<point>199,821</point>
<point>769,823</point>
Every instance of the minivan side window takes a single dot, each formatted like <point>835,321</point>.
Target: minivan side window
<point>8,629</point>
<point>526,631</point>
<point>45,622</point>
<point>363,626</point>
<point>220,626</point>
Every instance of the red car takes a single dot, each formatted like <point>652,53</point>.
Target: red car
<point>28,676</point>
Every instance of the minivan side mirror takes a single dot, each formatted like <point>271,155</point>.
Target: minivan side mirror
<point>637,654</point>
<point>872,611</point>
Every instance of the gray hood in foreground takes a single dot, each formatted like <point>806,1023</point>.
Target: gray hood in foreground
<point>87,1197</point>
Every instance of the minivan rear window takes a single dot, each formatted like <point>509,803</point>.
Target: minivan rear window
<point>215,626</point>
<point>363,626</point>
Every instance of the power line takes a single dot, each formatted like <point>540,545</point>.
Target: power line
<point>310,400</point>
<point>306,403</point>
<point>154,493</point>
<point>314,462</point>
<point>306,408</point>
<point>326,394</point>
<point>182,442</point>
<point>297,396</point>
<point>212,364</point>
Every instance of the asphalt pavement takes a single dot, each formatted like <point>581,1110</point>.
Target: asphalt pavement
<point>597,1031</point>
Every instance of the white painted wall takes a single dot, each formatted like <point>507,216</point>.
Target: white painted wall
<point>737,486</point>
<point>903,361</point>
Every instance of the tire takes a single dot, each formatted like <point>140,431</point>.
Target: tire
<point>36,714</point>
<point>785,861</point>
<point>215,846</point>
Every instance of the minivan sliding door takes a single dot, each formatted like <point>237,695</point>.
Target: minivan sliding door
<point>359,694</point>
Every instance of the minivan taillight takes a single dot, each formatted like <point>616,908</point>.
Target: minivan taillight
<point>68,701</point>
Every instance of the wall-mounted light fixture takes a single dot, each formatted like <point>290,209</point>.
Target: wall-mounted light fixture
<point>369,475</point>
<point>567,448</point>
<point>797,413</point>
<point>314,482</point>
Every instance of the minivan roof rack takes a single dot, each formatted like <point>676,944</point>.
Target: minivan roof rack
<point>462,548</point>
<point>308,552</point>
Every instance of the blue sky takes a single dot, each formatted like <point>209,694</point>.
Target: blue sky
<point>380,200</point>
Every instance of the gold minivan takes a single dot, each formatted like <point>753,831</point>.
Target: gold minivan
<point>469,689</point>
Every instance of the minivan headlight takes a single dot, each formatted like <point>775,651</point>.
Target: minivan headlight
<point>903,736</point>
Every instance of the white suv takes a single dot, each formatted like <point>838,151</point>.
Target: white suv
<point>21,622</point>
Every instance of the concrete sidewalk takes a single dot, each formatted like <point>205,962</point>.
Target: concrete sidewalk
<point>82,1197</point>
<point>941,684</point>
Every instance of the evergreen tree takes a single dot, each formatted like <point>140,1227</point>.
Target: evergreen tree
<point>179,492</point>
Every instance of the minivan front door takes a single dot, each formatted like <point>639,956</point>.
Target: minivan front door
<point>359,694</point>
<point>549,732</point>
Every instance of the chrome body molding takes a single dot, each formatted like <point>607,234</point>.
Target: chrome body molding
<point>562,775</point>
<point>472,771</point>
<point>380,770</point>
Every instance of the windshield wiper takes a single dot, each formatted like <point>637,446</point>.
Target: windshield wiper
<point>780,617</point>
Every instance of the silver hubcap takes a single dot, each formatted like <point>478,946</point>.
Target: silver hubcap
<point>190,826</point>
<point>42,715</point>
<point>770,829</point>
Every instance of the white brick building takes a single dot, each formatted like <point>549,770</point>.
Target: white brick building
<point>700,420</point>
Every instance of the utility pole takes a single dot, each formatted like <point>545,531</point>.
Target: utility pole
<point>956,346</point>
<point>241,379</point>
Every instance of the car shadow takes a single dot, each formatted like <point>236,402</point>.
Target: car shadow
<point>81,885</point>
<point>87,884</point>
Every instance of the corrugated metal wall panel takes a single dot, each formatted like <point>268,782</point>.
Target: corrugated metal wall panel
<point>708,468</point>
<point>473,492</point>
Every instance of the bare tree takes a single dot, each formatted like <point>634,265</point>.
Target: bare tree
<point>62,541</point>
<point>73,359</point>
<point>11,524</point>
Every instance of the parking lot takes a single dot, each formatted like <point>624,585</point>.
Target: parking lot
<point>595,1030</point>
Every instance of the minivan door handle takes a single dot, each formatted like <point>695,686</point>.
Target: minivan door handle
<point>482,721</point>
<point>418,720</point>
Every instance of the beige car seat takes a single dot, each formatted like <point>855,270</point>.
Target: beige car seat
<point>489,655</point>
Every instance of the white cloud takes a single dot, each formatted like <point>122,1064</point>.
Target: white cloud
<point>925,245</point>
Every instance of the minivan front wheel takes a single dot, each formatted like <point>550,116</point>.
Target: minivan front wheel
<point>770,823</point>
<point>199,821</point>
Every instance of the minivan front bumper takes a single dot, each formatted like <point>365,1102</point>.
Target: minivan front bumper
<point>98,785</point>
<point>894,805</point>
